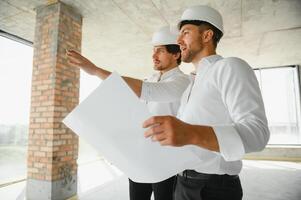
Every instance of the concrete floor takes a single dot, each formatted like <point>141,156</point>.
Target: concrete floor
<point>266,180</point>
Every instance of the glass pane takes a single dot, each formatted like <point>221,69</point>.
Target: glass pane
<point>15,87</point>
<point>280,91</point>
<point>87,84</point>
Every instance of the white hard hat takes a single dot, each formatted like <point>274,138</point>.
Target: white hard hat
<point>164,36</point>
<point>203,13</point>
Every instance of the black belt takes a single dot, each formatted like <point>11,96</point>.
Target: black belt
<point>197,175</point>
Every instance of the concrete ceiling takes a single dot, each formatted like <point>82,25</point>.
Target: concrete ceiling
<point>117,33</point>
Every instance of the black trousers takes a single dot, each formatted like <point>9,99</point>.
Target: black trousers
<point>162,190</point>
<point>197,186</point>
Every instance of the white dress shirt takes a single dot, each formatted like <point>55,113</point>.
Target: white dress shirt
<point>170,89</point>
<point>166,107</point>
<point>225,95</point>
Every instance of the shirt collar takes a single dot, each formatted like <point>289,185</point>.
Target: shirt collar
<point>169,73</point>
<point>207,61</point>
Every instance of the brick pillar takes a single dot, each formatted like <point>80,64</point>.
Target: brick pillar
<point>52,148</point>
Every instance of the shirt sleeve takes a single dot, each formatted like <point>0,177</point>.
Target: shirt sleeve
<point>241,95</point>
<point>165,91</point>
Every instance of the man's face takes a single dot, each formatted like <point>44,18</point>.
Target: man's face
<point>190,41</point>
<point>162,59</point>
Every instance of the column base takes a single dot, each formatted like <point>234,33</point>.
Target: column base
<point>52,190</point>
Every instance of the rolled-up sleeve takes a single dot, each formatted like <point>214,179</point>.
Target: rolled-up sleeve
<point>164,91</point>
<point>241,95</point>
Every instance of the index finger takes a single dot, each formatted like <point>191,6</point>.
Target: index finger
<point>71,52</point>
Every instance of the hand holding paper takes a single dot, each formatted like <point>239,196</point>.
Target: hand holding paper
<point>111,119</point>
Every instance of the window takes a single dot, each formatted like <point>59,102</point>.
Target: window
<point>15,87</point>
<point>280,87</point>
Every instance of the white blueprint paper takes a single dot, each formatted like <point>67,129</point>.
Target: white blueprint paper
<point>111,119</point>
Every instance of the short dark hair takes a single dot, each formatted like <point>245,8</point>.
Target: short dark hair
<point>217,34</point>
<point>174,49</point>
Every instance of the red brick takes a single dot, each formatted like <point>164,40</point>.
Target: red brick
<point>50,142</point>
